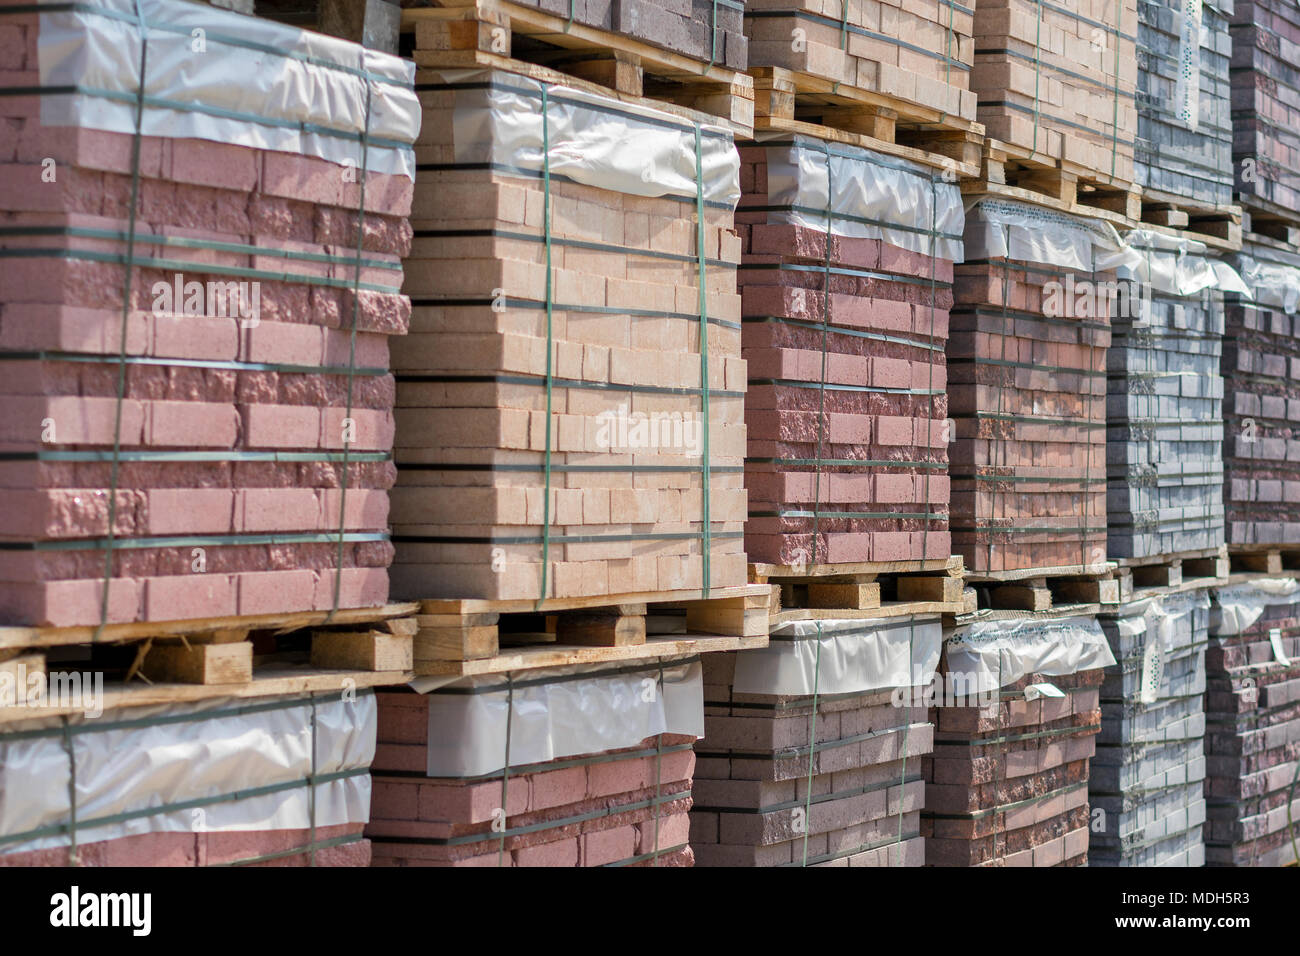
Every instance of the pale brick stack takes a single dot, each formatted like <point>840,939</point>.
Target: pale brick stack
<point>628,448</point>
<point>847,368</point>
<point>1147,778</point>
<point>915,52</point>
<point>754,771</point>
<point>1060,81</point>
<point>234,392</point>
<point>1252,705</point>
<point>597,809</point>
<point>1261,405</point>
<point>1265,109</point>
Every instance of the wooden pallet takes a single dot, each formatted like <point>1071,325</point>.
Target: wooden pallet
<point>497,34</point>
<point>1038,590</point>
<point>1218,226</point>
<point>1013,172</point>
<point>792,102</point>
<point>1264,558</point>
<point>1184,571</point>
<point>865,590</point>
<point>1270,220</point>
<point>517,634</point>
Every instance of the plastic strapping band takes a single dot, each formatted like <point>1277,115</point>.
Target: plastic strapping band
<point>129,267</point>
<point>72,792</point>
<point>812,744</point>
<point>821,385</point>
<point>1038,66</point>
<point>550,348</point>
<point>713,58</point>
<point>505,770</point>
<point>1114,122</point>
<point>311,786</point>
<point>1002,445</point>
<point>844,32</point>
<point>706,520</point>
<point>907,730</point>
<point>659,755</point>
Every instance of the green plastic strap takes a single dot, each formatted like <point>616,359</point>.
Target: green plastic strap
<point>1114,122</point>
<point>311,788</point>
<point>112,544</point>
<point>902,773</point>
<point>829,213</point>
<point>278,457</point>
<point>505,769</point>
<point>1038,58</point>
<point>659,739</point>
<point>706,522</point>
<point>713,58</point>
<point>812,736</point>
<point>550,346</point>
<point>218,364</point>
<point>72,792</point>
<point>344,840</point>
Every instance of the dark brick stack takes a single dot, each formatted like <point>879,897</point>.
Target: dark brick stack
<point>1266,104</point>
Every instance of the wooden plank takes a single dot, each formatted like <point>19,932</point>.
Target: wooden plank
<point>887,609</point>
<point>200,663</point>
<point>456,643</point>
<point>1021,597</point>
<point>362,650</point>
<point>854,596</point>
<point>462,606</point>
<point>954,566</point>
<point>622,627</point>
<point>918,588</point>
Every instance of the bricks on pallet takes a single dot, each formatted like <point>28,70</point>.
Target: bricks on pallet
<point>1252,704</point>
<point>789,777</point>
<point>625,459</point>
<point>1027,393</point>
<point>252,355</point>
<point>1265,108</point>
<point>1147,778</point>
<point>847,454</point>
<point>1007,784</point>
<point>1261,407</point>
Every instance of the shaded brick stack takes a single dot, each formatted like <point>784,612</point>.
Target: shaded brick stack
<point>1252,706</point>
<point>1184,101</point>
<point>754,771</point>
<point>916,52</point>
<point>1261,368</point>
<point>1060,81</point>
<point>230,411</point>
<point>628,444</point>
<point>1265,108</point>
<point>1147,779</point>
<point>875,342</point>
<point>1007,784</point>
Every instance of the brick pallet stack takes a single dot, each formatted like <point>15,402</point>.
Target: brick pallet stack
<point>241,404</point>
<point>1261,367</point>
<point>1147,777</point>
<point>596,771</point>
<point>522,240</point>
<point>1265,108</point>
<point>1060,83</point>
<point>812,746</point>
<point>1027,388</point>
<point>844,343</point>
<point>1164,452</point>
<point>1184,128</point>
<point>1007,784</point>
<point>1252,706</point>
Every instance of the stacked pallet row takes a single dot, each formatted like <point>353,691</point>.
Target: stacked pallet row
<point>1146,783</point>
<point>1261,367</point>
<point>557,434</point>
<point>569,767</point>
<point>1015,727</point>
<point>226,408</point>
<point>1027,389</point>
<point>1165,400</point>
<point>812,747</point>
<point>1252,706</point>
<point>845,322</point>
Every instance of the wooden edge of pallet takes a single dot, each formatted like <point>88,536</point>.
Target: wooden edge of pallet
<point>34,637</point>
<point>1055,184</point>
<point>979,189</point>
<point>1221,551</point>
<point>1265,559</point>
<point>953,566</point>
<point>1098,569</point>
<point>531,658</point>
<point>950,166</point>
<point>1145,592</point>
<point>887,609</point>
<point>1059,612</point>
<point>1229,242</point>
<point>528,606</point>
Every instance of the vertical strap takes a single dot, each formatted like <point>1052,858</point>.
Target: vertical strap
<point>127,291</point>
<point>1114,122</point>
<point>706,520</point>
<point>659,761</point>
<point>505,771</point>
<point>713,34</point>
<point>1002,748</point>
<point>812,744</point>
<point>994,441</point>
<point>550,345</point>
<point>929,415</point>
<point>907,733</point>
<point>311,786</point>
<point>821,388</point>
<point>1038,72</point>
<point>69,749</point>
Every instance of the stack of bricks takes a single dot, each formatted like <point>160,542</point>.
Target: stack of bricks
<point>1252,706</point>
<point>914,52</point>
<point>1265,111</point>
<point>1164,439</point>
<point>1184,128</point>
<point>1148,775</point>
<point>598,809</point>
<point>1027,395</point>
<point>754,772</point>
<point>229,417</point>
<point>628,445</point>
<point>846,398</point>
<point>1060,82</point>
<point>1007,784</point>
<point>1261,404</point>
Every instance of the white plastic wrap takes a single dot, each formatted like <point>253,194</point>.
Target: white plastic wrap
<point>997,228</point>
<point>215,75</point>
<point>563,713</point>
<point>996,653</point>
<point>1157,618</point>
<point>123,769</point>
<point>1178,266</point>
<point>1238,606</point>
<point>875,196</point>
<point>856,656</point>
<point>591,139</point>
<point>1271,284</point>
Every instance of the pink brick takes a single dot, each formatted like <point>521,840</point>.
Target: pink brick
<point>608,846</point>
<point>286,343</point>
<point>361,587</point>
<point>674,831</point>
<point>190,510</point>
<point>191,424</point>
<point>302,177</point>
<point>194,337</point>
<point>617,776</point>
<point>281,426</point>
<point>275,592</point>
<point>184,596</point>
<point>394,800</point>
<point>561,853</point>
<point>277,509</point>
<point>894,489</point>
<point>558,788</point>
<point>218,165</point>
<point>893,430</point>
<point>373,430</point>
<point>70,603</point>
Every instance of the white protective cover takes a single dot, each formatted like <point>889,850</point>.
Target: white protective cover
<point>1271,284</point>
<point>869,186</point>
<point>261,95</point>
<point>996,653</point>
<point>132,768</point>
<point>1156,617</point>
<point>997,228</point>
<point>1238,606</point>
<point>561,712</point>
<point>591,139</point>
<point>856,656</point>
<point>1178,266</point>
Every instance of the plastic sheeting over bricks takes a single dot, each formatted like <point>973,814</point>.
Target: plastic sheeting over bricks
<point>1146,784</point>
